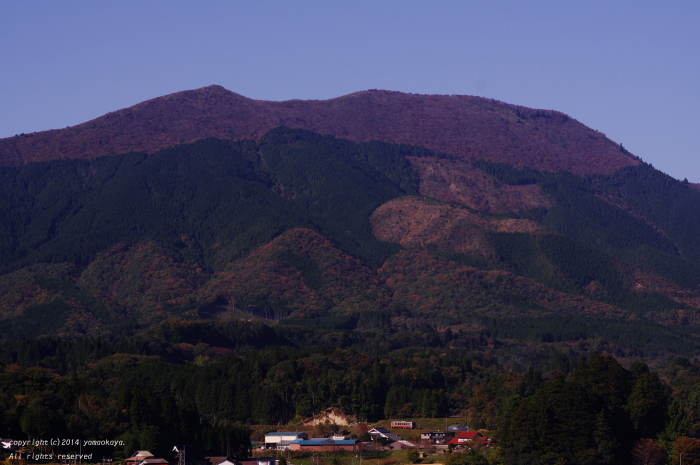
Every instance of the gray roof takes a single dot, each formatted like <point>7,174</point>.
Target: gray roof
<point>381,430</point>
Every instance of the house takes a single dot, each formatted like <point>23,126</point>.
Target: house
<point>465,437</point>
<point>470,438</point>
<point>139,457</point>
<point>323,444</point>
<point>216,460</point>
<point>384,433</point>
<point>402,445</point>
<point>437,437</point>
<point>144,457</point>
<point>153,461</point>
<point>273,440</point>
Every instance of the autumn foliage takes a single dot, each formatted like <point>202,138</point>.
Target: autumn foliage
<point>469,128</point>
<point>686,449</point>
<point>647,452</point>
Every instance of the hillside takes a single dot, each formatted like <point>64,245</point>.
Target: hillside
<point>300,273</point>
<point>307,229</point>
<point>414,222</point>
<point>464,127</point>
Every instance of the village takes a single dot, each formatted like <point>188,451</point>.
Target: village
<point>456,437</point>
<point>378,443</point>
<point>329,438</point>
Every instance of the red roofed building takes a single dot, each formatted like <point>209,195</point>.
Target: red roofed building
<point>465,437</point>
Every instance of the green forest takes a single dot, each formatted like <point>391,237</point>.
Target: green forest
<point>167,386</point>
<point>588,210</point>
<point>241,194</point>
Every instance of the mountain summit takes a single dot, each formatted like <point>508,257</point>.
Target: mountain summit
<point>462,127</point>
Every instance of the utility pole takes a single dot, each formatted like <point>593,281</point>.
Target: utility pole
<point>180,455</point>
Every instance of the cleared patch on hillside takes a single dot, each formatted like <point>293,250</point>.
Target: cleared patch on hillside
<point>413,222</point>
<point>460,182</point>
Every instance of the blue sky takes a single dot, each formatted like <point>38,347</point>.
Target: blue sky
<point>628,69</point>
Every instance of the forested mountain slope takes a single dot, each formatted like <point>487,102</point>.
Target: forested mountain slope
<point>299,226</point>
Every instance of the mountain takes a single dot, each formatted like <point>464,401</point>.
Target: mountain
<point>447,211</point>
<point>466,128</point>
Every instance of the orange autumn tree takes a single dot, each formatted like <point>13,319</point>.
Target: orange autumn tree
<point>688,449</point>
<point>647,452</point>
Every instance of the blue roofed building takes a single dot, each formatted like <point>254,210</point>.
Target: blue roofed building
<point>324,444</point>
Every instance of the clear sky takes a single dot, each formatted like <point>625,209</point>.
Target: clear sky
<point>628,69</point>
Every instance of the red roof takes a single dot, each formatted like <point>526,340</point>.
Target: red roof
<point>465,436</point>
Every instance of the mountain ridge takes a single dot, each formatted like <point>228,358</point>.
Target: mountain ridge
<point>464,127</point>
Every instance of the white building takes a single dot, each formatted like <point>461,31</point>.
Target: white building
<point>273,440</point>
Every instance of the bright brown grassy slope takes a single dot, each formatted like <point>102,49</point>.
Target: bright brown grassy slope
<point>415,221</point>
<point>459,182</point>
<point>469,128</point>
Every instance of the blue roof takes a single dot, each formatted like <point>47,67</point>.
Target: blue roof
<point>324,442</point>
